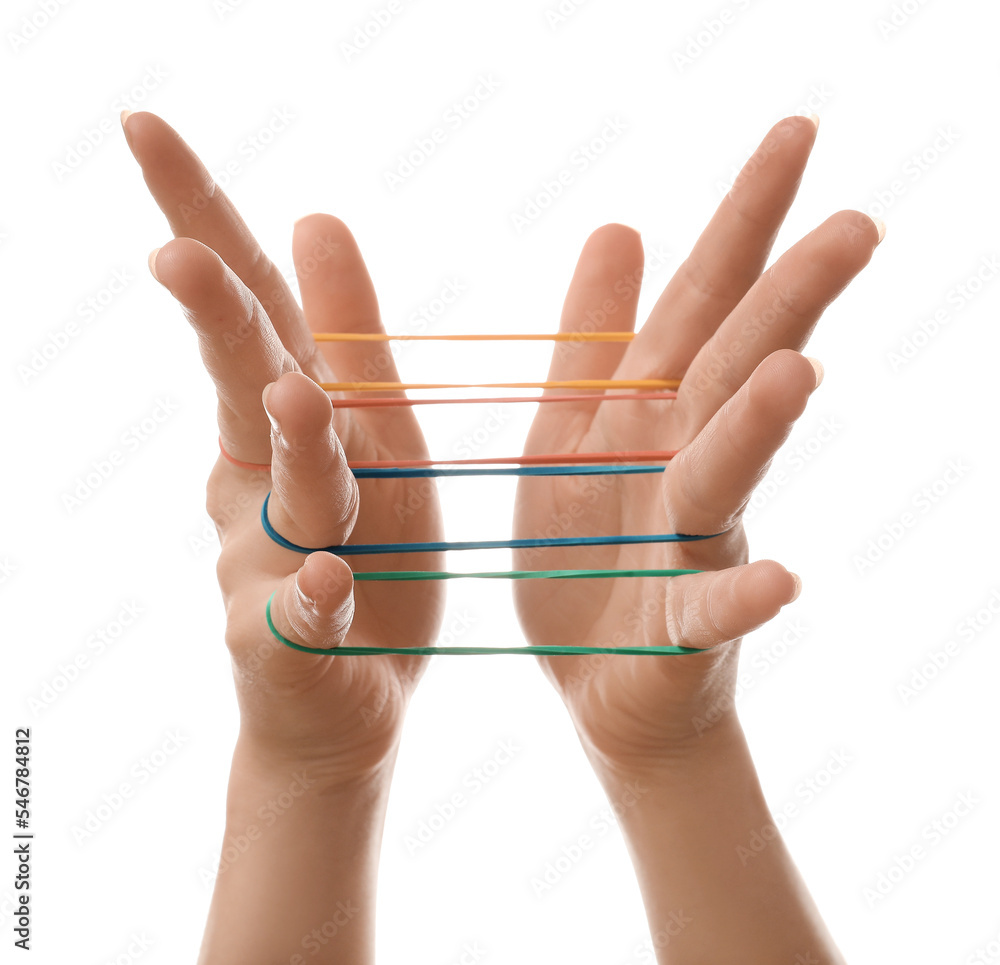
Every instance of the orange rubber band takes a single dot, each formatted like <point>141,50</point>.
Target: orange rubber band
<point>556,337</point>
<point>495,400</point>
<point>558,458</point>
<point>243,465</point>
<point>570,384</point>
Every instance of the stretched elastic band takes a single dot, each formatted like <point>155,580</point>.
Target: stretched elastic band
<point>556,458</point>
<point>549,651</point>
<point>554,337</point>
<point>569,384</point>
<point>615,470</point>
<point>379,403</point>
<point>244,465</point>
<point>413,576</point>
<point>364,549</point>
<point>388,468</point>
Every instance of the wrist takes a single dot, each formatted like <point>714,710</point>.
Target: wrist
<point>693,734</point>
<point>717,757</point>
<point>262,766</point>
<point>298,862</point>
<point>717,880</point>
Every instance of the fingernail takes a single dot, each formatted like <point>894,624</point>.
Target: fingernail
<point>304,599</point>
<point>798,587</point>
<point>880,224</point>
<point>152,264</point>
<point>125,115</point>
<point>815,119</point>
<point>818,369</point>
<point>263,396</point>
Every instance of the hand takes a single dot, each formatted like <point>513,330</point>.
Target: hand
<point>318,733</point>
<point>340,714</point>
<point>730,331</point>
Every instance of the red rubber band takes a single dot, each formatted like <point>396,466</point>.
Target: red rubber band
<point>551,458</point>
<point>561,458</point>
<point>244,465</point>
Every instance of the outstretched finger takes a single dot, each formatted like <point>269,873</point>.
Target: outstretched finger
<point>602,297</point>
<point>727,258</point>
<point>239,347</point>
<point>338,297</point>
<point>196,207</point>
<point>780,311</point>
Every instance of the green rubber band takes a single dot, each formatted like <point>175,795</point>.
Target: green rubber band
<point>551,650</point>
<point>396,575</point>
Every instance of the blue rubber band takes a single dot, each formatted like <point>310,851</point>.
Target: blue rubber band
<point>359,549</point>
<point>610,470</point>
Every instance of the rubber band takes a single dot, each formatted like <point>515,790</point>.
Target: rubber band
<point>554,337</point>
<point>244,465</point>
<point>367,549</point>
<point>598,470</point>
<point>400,468</point>
<point>551,650</point>
<point>559,458</point>
<point>503,399</point>
<point>566,384</point>
<point>415,576</point>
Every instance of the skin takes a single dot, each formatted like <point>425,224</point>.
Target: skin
<point>325,727</point>
<point>667,725</point>
<point>319,734</point>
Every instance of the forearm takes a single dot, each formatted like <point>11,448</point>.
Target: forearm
<point>299,864</point>
<point>710,897</point>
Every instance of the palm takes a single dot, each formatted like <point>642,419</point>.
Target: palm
<point>176,179</point>
<point>591,612</point>
<point>391,511</point>
<point>725,327</point>
<point>253,332</point>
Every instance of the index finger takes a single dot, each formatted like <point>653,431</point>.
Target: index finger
<point>196,207</point>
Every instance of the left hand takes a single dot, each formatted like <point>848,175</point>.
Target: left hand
<point>730,333</point>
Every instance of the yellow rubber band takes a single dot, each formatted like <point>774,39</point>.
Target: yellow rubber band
<point>555,337</point>
<point>571,384</point>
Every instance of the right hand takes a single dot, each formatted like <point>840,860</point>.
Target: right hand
<point>341,715</point>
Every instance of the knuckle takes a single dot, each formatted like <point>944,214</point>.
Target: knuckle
<point>216,497</point>
<point>262,278</point>
<point>227,575</point>
<point>352,507</point>
<point>698,278</point>
<point>675,606</point>
<point>225,503</point>
<point>690,498</point>
<point>689,617</point>
<point>742,213</point>
<point>708,618</point>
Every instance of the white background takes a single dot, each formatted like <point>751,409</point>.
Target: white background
<point>888,96</point>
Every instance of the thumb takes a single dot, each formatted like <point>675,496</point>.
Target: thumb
<point>314,606</point>
<point>707,609</point>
